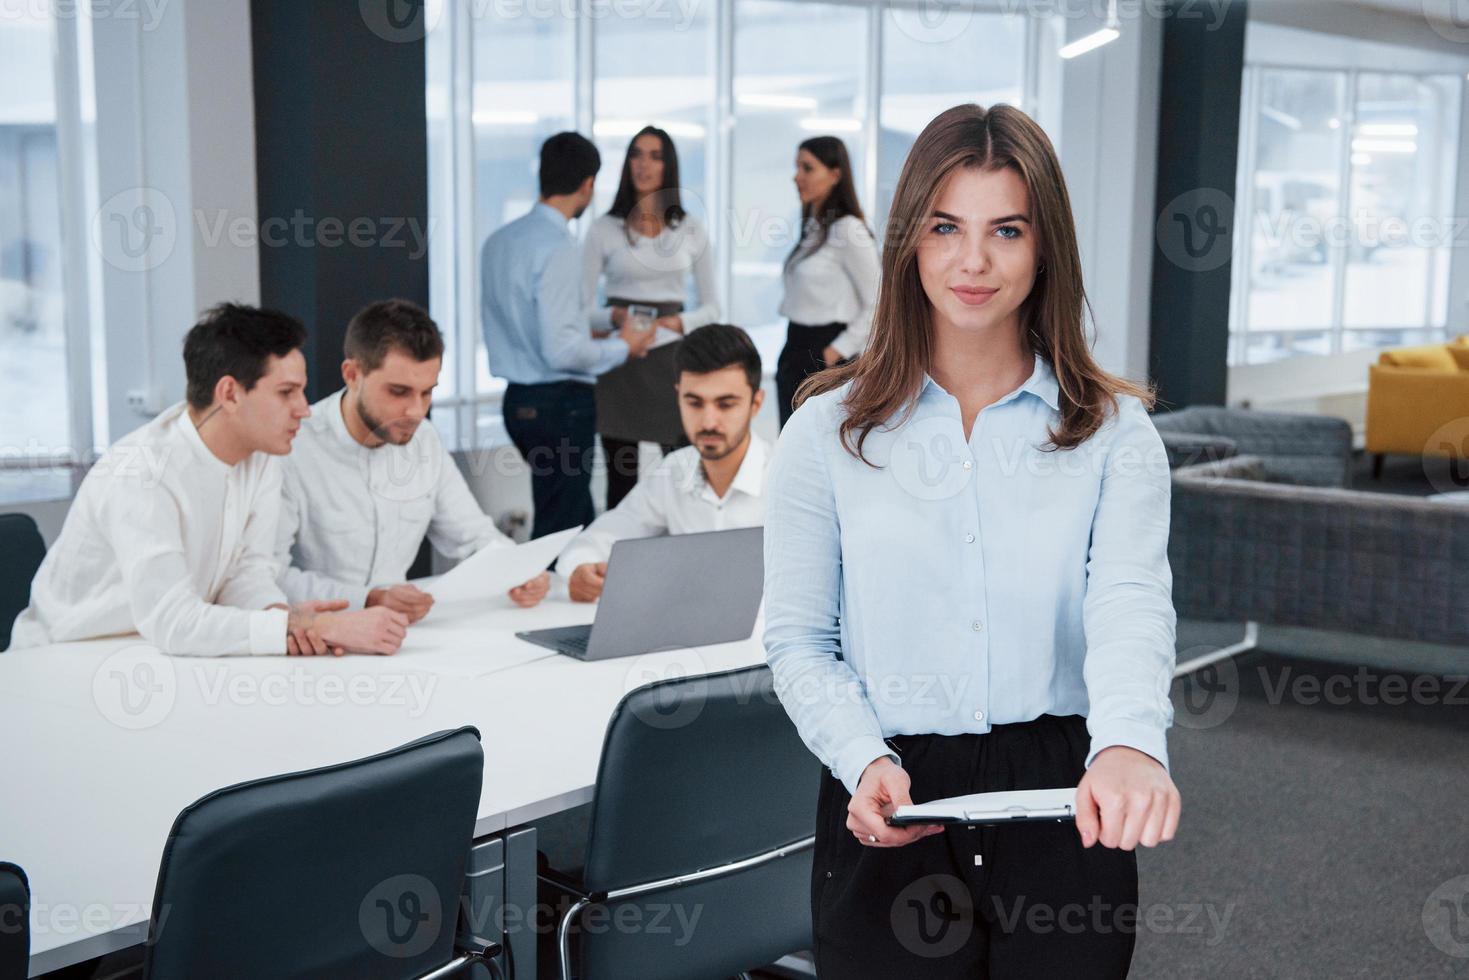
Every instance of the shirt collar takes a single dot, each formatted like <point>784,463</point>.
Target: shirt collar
<point>190,434</point>
<point>332,406</point>
<point>748,479</point>
<point>1041,383</point>
<point>551,214</point>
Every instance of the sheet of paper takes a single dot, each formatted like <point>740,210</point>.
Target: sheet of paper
<point>1016,804</point>
<point>495,571</point>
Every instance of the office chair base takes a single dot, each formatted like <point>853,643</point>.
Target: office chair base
<point>1250,642</point>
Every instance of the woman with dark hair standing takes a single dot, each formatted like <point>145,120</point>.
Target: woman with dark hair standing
<point>642,251</point>
<point>831,274</point>
<point>967,588</point>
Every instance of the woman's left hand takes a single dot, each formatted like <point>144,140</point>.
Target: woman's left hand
<point>831,356</point>
<point>672,322</point>
<point>1125,799</point>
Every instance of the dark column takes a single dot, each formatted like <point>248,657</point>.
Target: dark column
<point>1198,153</point>
<point>342,163</point>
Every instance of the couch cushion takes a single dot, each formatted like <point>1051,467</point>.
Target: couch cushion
<point>1430,357</point>
<point>1459,351</point>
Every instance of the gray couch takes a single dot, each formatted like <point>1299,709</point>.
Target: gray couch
<point>1246,546</point>
<point>1313,450</point>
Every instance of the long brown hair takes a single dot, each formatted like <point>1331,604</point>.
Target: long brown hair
<point>888,375</point>
<point>840,201</point>
<point>669,203</point>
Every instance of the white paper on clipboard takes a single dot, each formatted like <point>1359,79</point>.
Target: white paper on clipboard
<point>1024,804</point>
<point>495,571</point>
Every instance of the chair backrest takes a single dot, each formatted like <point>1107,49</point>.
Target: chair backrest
<point>697,773</point>
<point>22,548</point>
<point>353,870</point>
<point>15,922</point>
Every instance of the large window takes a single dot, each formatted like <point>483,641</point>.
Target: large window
<point>738,84</point>
<point>1347,182</point>
<point>35,419</point>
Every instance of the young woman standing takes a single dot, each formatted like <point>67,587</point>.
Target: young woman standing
<point>830,276</point>
<point>967,587</point>
<point>642,251</point>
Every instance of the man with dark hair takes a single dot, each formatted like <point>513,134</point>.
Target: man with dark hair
<point>538,336</point>
<point>172,533</point>
<point>713,485</point>
<point>370,477</point>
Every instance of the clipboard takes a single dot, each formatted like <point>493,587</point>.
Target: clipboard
<point>1014,806</point>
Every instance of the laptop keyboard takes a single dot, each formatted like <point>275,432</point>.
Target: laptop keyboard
<point>575,643</point>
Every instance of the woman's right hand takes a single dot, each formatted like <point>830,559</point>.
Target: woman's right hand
<point>882,788</point>
<point>618,316</point>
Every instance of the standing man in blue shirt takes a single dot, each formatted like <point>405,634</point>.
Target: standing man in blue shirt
<point>538,336</point>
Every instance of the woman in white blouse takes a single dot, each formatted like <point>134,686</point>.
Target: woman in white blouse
<point>830,276</point>
<point>967,588</point>
<point>643,250</point>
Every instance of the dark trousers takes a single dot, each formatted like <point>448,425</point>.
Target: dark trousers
<point>994,902</point>
<point>555,428</point>
<point>801,358</point>
<point>622,466</point>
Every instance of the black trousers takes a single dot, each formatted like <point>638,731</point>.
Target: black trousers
<point>995,902</point>
<point>622,466</point>
<point>555,428</point>
<point>801,358</point>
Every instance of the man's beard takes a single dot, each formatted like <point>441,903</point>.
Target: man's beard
<point>730,444</point>
<point>377,427</point>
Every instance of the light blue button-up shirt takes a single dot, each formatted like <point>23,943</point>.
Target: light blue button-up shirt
<point>964,584</point>
<point>536,326</point>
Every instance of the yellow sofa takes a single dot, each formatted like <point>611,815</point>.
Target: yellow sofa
<point>1412,393</point>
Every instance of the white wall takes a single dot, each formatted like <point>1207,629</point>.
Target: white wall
<point>175,135</point>
<point>1109,144</point>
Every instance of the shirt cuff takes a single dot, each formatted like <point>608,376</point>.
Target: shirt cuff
<point>856,756</point>
<point>268,631</point>
<point>1135,735</point>
<point>845,345</point>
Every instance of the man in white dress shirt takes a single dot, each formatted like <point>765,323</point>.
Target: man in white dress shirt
<point>713,485</point>
<point>172,532</point>
<point>369,476</point>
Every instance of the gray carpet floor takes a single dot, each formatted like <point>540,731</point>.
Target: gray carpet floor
<point>1318,833</point>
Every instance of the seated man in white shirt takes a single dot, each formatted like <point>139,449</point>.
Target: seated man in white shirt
<point>369,476</point>
<point>715,484</point>
<point>172,533</point>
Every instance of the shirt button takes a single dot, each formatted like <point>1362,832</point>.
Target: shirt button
<point>968,465</point>
<point>977,625</point>
<point>969,539</point>
<point>979,716</point>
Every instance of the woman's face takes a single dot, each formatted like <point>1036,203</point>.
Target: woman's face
<point>978,251</point>
<point>814,179</point>
<point>646,160</point>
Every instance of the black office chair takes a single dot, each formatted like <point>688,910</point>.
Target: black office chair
<point>23,549</point>
<point>353,870</point>
<point>15,922</point>
<point>705,802</point>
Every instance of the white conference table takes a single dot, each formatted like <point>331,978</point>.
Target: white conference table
<point>108,740</point>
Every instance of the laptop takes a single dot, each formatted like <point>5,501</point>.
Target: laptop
<point>668,593</point>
